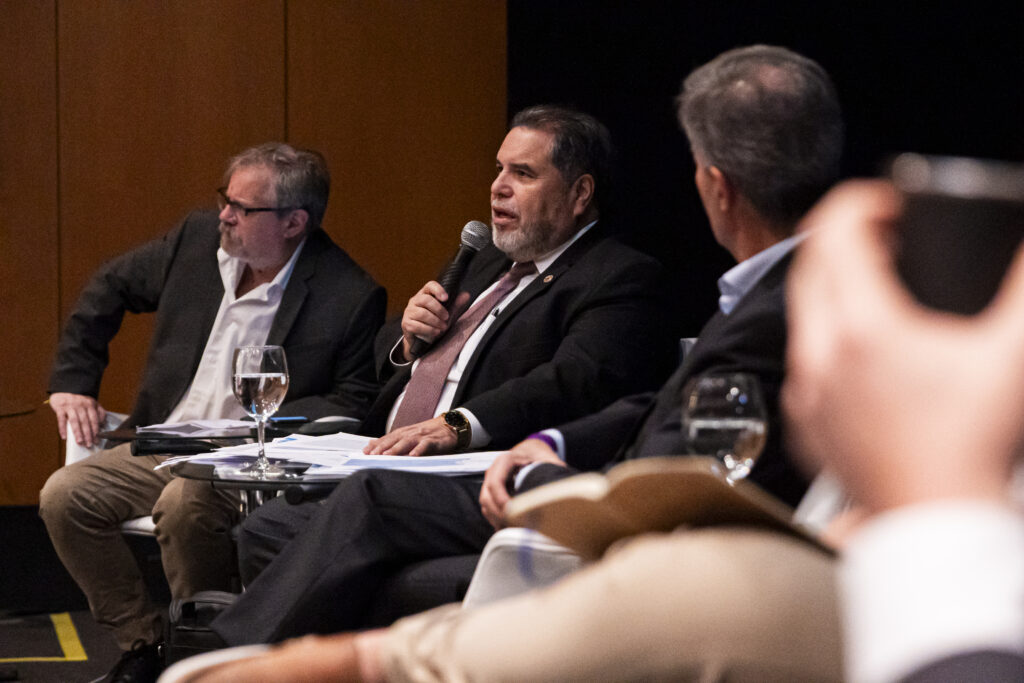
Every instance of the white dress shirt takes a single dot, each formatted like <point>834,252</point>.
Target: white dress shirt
<point>242,321</point>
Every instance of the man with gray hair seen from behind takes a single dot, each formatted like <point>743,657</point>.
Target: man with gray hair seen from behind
<point>263,271</point>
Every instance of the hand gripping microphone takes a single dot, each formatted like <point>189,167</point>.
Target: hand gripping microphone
<point>475,236</point>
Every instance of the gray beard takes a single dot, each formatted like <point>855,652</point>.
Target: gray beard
<point>527,243</point>
<point>228,244</point>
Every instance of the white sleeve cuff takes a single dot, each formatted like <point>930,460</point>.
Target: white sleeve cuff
<point>478,436</point>
<point>559,440</point>
<point>927,581</point>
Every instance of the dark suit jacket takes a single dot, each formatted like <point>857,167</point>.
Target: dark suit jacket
<point>751,339</point>
<point>588,330</point>
<point>983,667</point>
<point>329,314</point>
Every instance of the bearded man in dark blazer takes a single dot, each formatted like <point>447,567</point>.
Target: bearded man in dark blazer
<point>261,272</point>
<point>575,334</point>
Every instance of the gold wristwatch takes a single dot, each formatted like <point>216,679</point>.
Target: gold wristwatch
<point>459,425</point>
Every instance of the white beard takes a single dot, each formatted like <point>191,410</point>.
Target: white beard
<point>526,243</point>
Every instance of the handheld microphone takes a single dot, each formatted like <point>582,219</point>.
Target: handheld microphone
<point>475,236</point>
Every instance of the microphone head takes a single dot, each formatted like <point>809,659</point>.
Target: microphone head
<point>476,235</point>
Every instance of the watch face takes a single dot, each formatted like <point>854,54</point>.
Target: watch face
<point>458,423</point>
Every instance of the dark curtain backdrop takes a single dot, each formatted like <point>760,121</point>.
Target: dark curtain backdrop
<point>937,77</point>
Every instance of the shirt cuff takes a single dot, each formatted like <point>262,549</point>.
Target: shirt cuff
<point>478,436</point>
<point>559,441</point>
<point>928,581</point>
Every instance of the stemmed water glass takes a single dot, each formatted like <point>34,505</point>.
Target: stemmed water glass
<point>260,383</point>
<point>724,415</point>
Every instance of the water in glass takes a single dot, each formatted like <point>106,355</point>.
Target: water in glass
<point>260,383</point>
<point>723,415</point>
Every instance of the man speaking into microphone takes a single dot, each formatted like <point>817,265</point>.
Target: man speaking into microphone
<point>553,320</point>
<point>559,320</point>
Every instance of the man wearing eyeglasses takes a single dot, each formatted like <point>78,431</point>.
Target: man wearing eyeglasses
<point>262,271</point>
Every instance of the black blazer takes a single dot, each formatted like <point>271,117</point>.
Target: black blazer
<point>988,666</point>
<point>751,339</point>
<point>588,330</point>
<point>329,314</point>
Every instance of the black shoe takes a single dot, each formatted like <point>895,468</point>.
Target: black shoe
<point>142,664</point>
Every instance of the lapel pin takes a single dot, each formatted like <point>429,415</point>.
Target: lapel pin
<point>548,278</point>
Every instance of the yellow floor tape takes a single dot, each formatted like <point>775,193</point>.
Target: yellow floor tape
<point>67,636</point>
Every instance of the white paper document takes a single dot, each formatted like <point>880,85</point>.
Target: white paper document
<point>336,456</point>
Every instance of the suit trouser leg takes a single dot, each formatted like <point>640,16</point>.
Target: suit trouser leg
<point>372,524</point>
<point>83,506</point>
<point>702,605</point>
<point>193,525</point>
<point>267,530</point>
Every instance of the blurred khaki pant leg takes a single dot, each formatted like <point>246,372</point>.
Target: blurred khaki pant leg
<point>695,605</point>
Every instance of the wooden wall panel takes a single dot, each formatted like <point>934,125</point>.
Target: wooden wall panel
<point>117,117</point>
<point>154,97</point>
<point>28,237</point>
<point>407,101</point>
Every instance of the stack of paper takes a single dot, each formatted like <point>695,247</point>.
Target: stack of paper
<point>336,456</point>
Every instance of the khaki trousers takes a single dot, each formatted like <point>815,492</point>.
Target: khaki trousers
<point>699,605</point>
<point>83,506</point>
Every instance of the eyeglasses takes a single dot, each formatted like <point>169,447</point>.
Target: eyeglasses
<point>223,200</point>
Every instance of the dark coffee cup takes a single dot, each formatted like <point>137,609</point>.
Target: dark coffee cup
<point>962,222</point>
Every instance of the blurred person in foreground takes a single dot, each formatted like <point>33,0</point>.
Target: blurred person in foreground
<point>920,414</point>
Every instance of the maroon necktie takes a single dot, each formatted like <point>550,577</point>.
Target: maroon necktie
<point>424,388</point>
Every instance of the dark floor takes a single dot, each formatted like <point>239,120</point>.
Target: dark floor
<point>61,647</point>
<point>46,632</point>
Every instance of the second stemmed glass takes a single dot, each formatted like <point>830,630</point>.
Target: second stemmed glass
<point>260,384</point>
<point>723,415</point>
